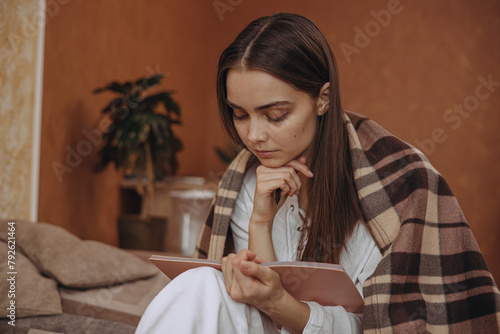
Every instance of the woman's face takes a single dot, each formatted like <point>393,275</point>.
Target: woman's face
<point>275,121</point>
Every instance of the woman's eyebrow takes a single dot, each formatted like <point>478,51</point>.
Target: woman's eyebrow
<point>263,107</point>
<point>274,104</point>
<point>233,105</point>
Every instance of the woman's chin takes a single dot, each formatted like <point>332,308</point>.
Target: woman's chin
<point>271,163</point>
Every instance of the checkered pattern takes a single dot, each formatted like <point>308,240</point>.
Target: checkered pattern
<point>432,277</point>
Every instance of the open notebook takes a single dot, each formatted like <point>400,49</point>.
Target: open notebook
<point>325,283</point>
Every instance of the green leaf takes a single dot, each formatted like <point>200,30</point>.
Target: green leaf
<point>169,103</point>
<point>116,87</point>
<point>113,105</point>
<point>146,83</point>
<point>136,124</point>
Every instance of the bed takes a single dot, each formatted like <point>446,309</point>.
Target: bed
<point>58,283</point>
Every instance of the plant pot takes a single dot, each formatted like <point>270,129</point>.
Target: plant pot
<point>189,211</point>
<point>141,232</point>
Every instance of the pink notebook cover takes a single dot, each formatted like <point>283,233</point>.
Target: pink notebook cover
<point>327,284</point>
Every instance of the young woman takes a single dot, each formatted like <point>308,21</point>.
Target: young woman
<point>348,191</point>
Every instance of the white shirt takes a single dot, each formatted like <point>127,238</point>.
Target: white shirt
<point>359,260</point>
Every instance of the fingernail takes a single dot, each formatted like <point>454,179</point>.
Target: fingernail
<point>244,264</point>
<point>310,173</point>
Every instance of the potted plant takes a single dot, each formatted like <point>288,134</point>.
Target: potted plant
<point>140,138</point>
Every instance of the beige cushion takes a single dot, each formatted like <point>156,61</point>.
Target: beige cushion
<point>35,294</point>
<point>73,262</point>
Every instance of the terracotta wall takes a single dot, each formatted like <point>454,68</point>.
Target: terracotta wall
<point>406,71</point>
<point>89,44</point>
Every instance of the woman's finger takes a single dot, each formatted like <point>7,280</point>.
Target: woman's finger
<point>301,167</point>
<point>227,271</point>
<point>246,282</point>
<point>297,184</point>
<point>284,178</point>
<point>259,284</point>
<point>262,273</point>
<point>251,256</point>
<point>257,260</point>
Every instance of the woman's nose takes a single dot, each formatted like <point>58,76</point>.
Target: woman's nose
<point>257,132</point>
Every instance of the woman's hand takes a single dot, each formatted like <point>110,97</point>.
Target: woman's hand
<point>269,179</point>
<point>249,282</point>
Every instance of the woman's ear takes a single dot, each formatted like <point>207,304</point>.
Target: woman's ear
<point>324,99</point>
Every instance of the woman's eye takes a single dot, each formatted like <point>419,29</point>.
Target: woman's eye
<point>276,119</point>
<point>239,117</point>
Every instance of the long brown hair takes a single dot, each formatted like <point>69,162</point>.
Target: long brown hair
<point>292,48</point>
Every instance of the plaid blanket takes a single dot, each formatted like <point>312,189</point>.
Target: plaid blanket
<point>432,276</point>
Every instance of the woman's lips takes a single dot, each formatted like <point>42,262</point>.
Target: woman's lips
<point>265,154</point>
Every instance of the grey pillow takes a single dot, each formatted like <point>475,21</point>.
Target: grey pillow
<point>73,262</point>
<point>33,294</point>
